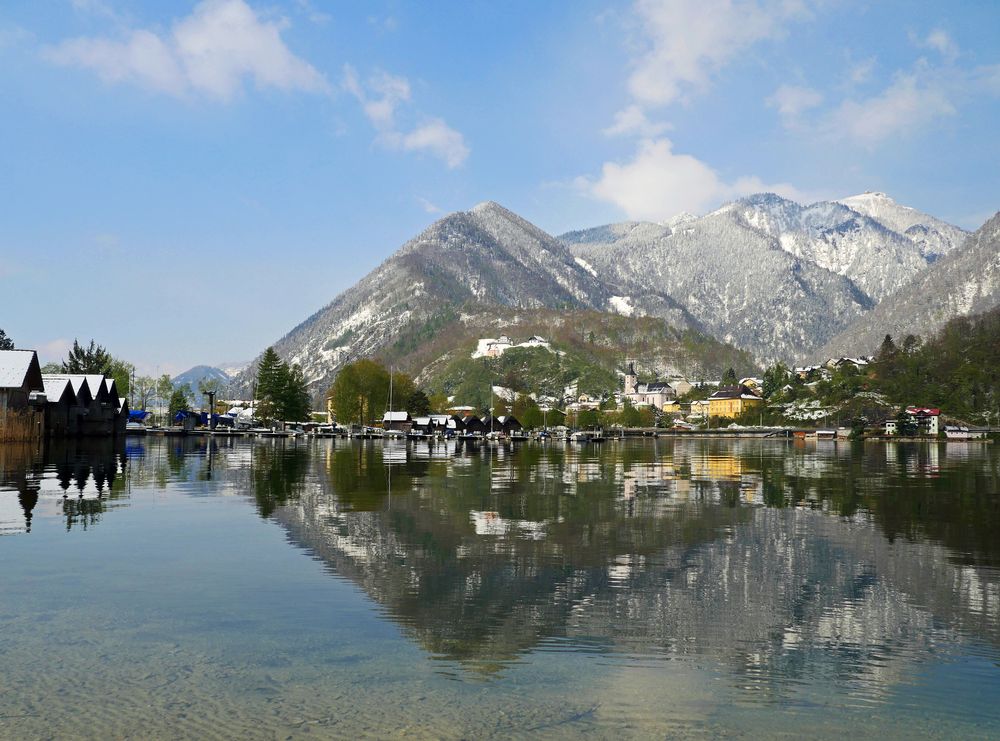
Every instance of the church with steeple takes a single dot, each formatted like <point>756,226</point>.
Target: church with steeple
<point>654,394</point>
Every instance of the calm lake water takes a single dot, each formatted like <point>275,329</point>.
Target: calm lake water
<point>186,588</point>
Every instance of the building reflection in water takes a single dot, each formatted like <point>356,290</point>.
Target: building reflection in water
<point>775,561</point>
<point>780,562</point>
<point>74,481</point>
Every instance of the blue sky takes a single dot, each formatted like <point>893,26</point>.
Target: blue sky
<point>186,181</point>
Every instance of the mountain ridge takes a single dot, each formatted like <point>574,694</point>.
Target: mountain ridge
<point>762,273</point>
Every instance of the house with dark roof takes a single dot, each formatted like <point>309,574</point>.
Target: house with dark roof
<point>732,401</point>
<point>62,415</point>
<point>22,397</point>
<point>98,408</point>
<point>654,394</point>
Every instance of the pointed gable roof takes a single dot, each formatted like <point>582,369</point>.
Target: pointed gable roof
<point>80,386</point>
<point>98,389</point>
<point>58,389</point>
<point>19,369</point>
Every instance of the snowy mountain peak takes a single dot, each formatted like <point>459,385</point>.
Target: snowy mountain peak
<point>935,238</point>
<point>682,218</point>
<point>490,207</point>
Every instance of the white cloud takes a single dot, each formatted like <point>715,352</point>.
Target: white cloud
<point>861,72</point>
<point>657,183</point>
<point>633,121</point>
<point>940,41</point>
<point>793,100</point>
<point>687,41</point>
<point>381,98</point>
<point>436,137</point>
<point>315,16</point>
<point>428,206</point>
<point>909,103</point>
<point>390,92</point>
<point>54,351</point>
<point>210,52</point>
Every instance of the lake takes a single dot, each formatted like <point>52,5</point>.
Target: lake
<point>197,588</point>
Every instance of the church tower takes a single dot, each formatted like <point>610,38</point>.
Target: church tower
<point>631,379</point>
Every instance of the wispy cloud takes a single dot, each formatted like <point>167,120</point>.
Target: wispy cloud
<point>940,41</point>
<point>211,52</point>
<point>429,206</point>
<point>632,121</point>
<point>907,104</point>
<point>685,42</point>
<point>792,100</point>
<point>381,97</point>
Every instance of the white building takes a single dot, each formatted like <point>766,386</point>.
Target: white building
<point>646,394</point>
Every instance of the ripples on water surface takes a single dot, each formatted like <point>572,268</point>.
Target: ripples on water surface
<point>187,588</point>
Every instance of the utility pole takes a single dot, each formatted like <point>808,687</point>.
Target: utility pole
<point>211,408</point>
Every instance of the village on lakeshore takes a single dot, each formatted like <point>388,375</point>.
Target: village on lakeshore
<point>369,401</point>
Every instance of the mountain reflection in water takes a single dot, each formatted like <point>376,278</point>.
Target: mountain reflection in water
<point>783,563</point>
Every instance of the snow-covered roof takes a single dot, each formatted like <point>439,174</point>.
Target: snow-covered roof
<point>77,381</point>
<point>96,383</point>
<point>396,417</point>
<point>14,367</point>
<point>55,387</point>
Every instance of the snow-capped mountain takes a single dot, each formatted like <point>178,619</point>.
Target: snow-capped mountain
<point>199,374</point>
<point>768,274</point>
<point>877,259</point>
<point>765,274</point>
<point>935,238</point>
<point>965,281</point>
<point>732,276</point>
<point>478,260</point>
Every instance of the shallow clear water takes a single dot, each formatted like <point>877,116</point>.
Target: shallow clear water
<point>191,588</point>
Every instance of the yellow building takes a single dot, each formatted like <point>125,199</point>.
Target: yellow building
<point>732,401</point>
<point>672,407</point>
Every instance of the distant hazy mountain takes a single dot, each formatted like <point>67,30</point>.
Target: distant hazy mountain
<point>965,281</point>
<point>194,376</point>
<point>233,368</point>
<point>767,274</point>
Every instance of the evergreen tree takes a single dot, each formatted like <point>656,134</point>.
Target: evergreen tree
<point>729,378</point>
<point>6,343</point>
<point>271,375</point>
<point>906,425</point>
<point>887,350</point>
<point>178,403</point>
<point>92,359</point>
<point>296,402</point>
<point>418,405</point>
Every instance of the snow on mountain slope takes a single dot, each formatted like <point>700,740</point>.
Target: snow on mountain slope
<point>935,238</point>
<point>485,257</point>
<point>877,259</point>
<point>722,267</point>
<point>965,281</point>
<point>732,277</point>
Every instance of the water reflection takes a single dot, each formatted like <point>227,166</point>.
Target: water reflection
<point>77,481</point>
<point>781,563</point>
<point>786,564</point>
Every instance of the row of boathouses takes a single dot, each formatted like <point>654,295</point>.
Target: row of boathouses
<point>34,406</point>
